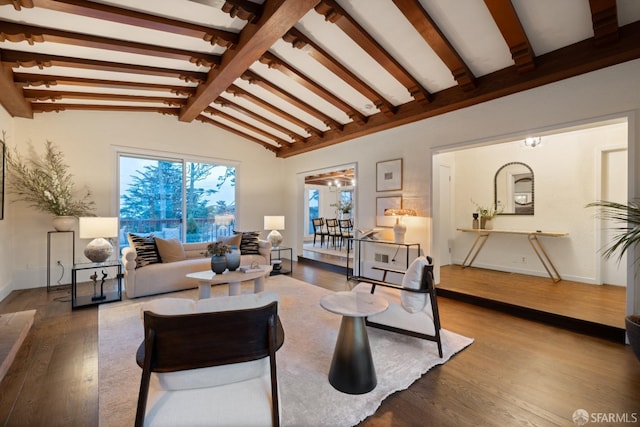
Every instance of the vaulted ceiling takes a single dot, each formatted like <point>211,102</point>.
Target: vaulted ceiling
<point>298,75</point>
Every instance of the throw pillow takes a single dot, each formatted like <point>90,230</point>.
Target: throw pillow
<point>249,242</point>
<point>413,301</point>
<point>170,250</point>
<point>146,250</point>
<point>235,240</point>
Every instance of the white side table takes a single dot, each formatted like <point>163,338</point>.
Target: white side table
<point>352,369</point>
<point>233,278</point>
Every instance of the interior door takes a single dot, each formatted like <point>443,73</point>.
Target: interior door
<point>614,188</point>
<point>444,210</point>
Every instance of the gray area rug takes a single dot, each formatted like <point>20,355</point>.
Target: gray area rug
<point>307,398</point>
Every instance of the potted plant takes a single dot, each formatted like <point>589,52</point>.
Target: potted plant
<point>46,184</point>
<point>218,251</point>
<point>627,216</point>
<point>486,215</point>
<point>344,208</point>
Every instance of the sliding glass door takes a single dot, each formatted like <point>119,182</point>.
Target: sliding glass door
<point>175,198</point>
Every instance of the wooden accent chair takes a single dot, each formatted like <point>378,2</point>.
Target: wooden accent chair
<point>413,306</point>
<point>210,368</point>
<point>346,230</point>
<point>319,230</point>
<point>333,230</point>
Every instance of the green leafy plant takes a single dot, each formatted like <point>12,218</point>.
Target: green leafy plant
<point>627,230</point>
<point>45,182</point>
<point>343,206</point>
<point>218,249</point>
<point>487,212</point>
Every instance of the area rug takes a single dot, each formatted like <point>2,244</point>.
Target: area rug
<point>307,398</point>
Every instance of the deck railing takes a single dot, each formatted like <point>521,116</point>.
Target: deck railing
<point>198,229</point>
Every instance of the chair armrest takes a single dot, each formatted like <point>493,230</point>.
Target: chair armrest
<point>388,285</point>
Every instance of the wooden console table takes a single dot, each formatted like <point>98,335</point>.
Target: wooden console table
<point>483,235</point>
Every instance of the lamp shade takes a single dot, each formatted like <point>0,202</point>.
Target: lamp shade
<point>92,227</point>
<point>274,222</point>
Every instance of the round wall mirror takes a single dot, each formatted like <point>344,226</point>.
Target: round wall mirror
<point>513,187</point>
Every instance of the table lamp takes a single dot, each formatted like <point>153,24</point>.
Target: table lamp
<point>99,229</point>
<point>399,229</point>
<point>274,223</point>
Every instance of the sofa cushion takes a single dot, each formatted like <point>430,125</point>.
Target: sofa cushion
<point>146,250</point>
<point>216,375</point>
<point>249,242</point>
<point>235,240</point>
<point>414,301</point>
<point>170,250</point>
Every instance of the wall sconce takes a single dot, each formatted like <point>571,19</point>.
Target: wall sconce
<point>274,223</point>
<point>399,229</point>
<point>533,141</point>
<point>99,229</point>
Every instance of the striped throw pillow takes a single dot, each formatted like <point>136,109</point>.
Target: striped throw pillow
<point>249,242</point>
<point>146,249</point>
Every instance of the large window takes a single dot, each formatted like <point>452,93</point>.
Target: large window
<point>313,204</point>
<point>176,198</point>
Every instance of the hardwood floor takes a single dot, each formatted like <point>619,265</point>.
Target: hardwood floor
<point>517,372</point>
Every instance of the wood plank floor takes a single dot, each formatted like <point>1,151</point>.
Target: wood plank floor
<point>517,372</point>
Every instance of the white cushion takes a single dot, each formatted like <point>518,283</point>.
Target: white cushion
<point>215,375</point>
<point>414,301</point>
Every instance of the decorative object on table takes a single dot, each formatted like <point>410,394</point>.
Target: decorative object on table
<point>45,183</point>
<point>399,228</point>
<point>476,222</point>
<point>627,235</point>
<point>389,175</point>
<point>218,252</point>
<point>102,296</point>
<point>486,215</point>
<point>233,258</point>
<point>99,229</point>
<point>343,209</point>
<point>274,223</point>
<point>223,222</point>
<point>382,205</point>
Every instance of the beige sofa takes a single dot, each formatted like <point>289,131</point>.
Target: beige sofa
<point>171,276</point>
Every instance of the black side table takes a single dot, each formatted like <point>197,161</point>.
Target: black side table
<point>278,263</point>
<point>96,283</point>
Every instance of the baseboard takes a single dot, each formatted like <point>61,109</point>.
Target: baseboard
<point>325,265</point>
<point>586,327</point>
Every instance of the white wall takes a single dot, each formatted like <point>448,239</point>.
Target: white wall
<point>89,140</point>
<point>6,236</point>
<point>592,96</point>
<point>566,179</point>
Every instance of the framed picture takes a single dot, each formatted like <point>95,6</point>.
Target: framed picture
<point>389,175</point>
<point>384,203</point>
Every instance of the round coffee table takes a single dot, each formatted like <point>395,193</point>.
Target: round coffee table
<point>233,278</point>
<point>352,369</point>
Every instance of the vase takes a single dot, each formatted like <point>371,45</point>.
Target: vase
<point>64,223</point>
<point>632,324</point>
<point>233,259</point>
<point>218,263</point>
<point>486,223</point>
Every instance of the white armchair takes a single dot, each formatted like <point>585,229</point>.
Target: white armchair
<point>413,307</point>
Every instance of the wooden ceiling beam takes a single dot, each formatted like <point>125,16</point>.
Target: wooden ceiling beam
<point>513,33</point>
<point>604,15</point>
<point>567,62</point>
<point>237,91</point>
<point>427,28</point>
<point>17,32</point>
<point>272,61</point>
<point>55,95</point>
<point>205,119</point>
<point>335,14</point>
<point>255,79</point>
<point>11,97</point>
<point>18,4</point>
<point>51,107</point>
<point>301,41</point>
<point>47,80</point>
<point>105,12</point>
<point>246,125</point>
<point>242,9</point>
<point>227,103</point>
<point>255,39</point>
<point>25,59</point>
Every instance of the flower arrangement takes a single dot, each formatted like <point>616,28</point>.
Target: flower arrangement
<point>487,212</point>
<point>45,183</point>
<point>343,206</point>
<point>217,249</point>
